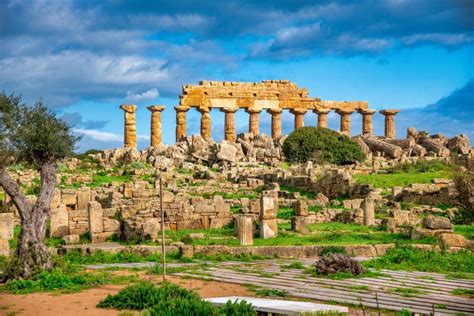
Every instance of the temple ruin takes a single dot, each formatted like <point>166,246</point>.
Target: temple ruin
<point>273,96</point>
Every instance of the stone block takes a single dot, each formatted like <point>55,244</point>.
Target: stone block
<point>299,225</point>
<point>300,207</point>
<point>186,251</point>
<point>68,197</point>
<point>7,224</point>
<point>268,228</point>
<point>368,208</point>
<point>95,214</point>
<point>245,230</point>
<point>71,239</point>
<point>436,222</point>
<point>100,237</point>
<point>150,229</point>
<point>4,248</point>
<point>59,221</point>
<point>453,240</point>
<point>111,225</point>
<point>83,197</point>
<point>267,206</point>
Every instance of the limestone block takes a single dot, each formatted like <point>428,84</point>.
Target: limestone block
<point>7,224</point>
<point>59,221</point>
<point>352,204</point>
<point>4,248</point>
<point>95,214</point>
<point>101,237</point>
<point>369,211</point>
<point>301,208</point>
<point>436,222</point>
<point>186,251</point>
<point>267,205</point>
<point>111,225</point>
<point>453,240</point>
<point>71,239</point>
<point>245,230</point>
<point>83,197</point>
<point>68,197</point>
<point>268,228</point>
<point>298,224</point>
<point>150,229</point>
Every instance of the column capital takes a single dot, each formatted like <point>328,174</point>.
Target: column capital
<point>155,108</point>
<point>298,111</point>
<point>275,111</point>
<point>389,112</point>
<point>229,110</point>
<point>366,111</point>
<point>180,108</point>
<point>321,111</point>
<point>344,112</point>
<point>129,108</point>
<point>203,109</point>
<point>253,110</point>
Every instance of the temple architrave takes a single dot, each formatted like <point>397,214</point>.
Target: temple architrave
<point>272,96</point>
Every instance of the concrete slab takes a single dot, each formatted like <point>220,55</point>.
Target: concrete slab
<point>279,306</point>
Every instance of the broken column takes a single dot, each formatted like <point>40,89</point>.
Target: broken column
<point>322,117</point>
<point>268,220</point>
<point>253,120</point>
<point>180,122</point>
<point>7,224</point>
<point>130,130</point>
<point>96,221</point>
<point>389,122</point>
<point>299,117</point>
<point>245,230</point>
<point>59,221</point>
<point>155,138</point>
<point>298,222</point>
<point>367,127</point>
<point>229,124</point>
<point>205,123</point>
<point>345,121</point>
<point>276,122</point>
<point>369,211</point>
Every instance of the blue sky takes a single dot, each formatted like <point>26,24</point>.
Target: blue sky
<point>85,58</point>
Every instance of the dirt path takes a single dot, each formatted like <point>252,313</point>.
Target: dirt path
<point>83,303</point>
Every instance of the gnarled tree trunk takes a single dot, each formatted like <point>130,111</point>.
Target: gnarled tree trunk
<point>31,254</point>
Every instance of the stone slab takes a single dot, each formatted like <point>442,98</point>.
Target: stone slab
<point>282,307</point>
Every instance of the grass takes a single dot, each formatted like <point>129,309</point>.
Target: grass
<point>293,265</point>
<point>412,259</point>
<point>271,293</point>
<point>285,213</point>
<point>407,173</point>
<point>464,292</point>
<point>345,275</point>
<point>100,257</point>
<point>310,195</point>
<point>465,230</point>
<point>406,292</point>
<point>2,196</point>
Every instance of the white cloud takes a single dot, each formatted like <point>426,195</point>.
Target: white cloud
<point>105,136</point>
<point>144,96</point>
<point>443,38</point>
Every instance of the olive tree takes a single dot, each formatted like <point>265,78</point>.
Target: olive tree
<point>35,137</point>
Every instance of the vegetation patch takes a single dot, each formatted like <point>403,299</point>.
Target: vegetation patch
<point>464,292</point>
<point>271,292</point>
<point>99,257</point>
<point>321,145</point>
<point>406,292</point>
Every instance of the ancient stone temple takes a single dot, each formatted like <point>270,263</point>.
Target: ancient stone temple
<point>273,96</point>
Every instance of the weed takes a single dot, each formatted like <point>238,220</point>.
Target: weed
<point>464,292</point>
<point>294,265</point>
<point>405,291</point>
<point>271,292</point>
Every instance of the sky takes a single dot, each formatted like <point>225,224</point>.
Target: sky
<point>85,58</point>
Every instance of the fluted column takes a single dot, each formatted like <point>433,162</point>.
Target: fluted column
<point>229,125</point>
<point>130,128</point>
<point>276,122</point>
<point>155,138</point>
<point>299,117</point>
<point>389,122</point>
<point>367,127</point>
<point>345,121</point>
<point>322,117</point>
<point>205,123</point>
<point>180,122</point>
<point>253,121</point>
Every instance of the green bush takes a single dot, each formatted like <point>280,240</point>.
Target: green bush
<point>234,309</point>
<point>185,307</point>
<point>321,145</point>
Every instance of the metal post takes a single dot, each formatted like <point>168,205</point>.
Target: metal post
<point>163,248</point>
<point>377,302</point>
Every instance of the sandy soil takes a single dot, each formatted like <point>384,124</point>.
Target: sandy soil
<point>83,303</point>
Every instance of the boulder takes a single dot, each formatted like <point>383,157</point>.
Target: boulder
<point>71,239</point>
<point>437,222</point>
<point>336,262</point>
<point>227,152</point>
<point>150,229</point>
<point>453,240</point>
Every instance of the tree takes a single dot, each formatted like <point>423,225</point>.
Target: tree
<point>33,136</point>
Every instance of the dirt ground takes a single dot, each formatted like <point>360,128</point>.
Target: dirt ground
<point>84,303</point>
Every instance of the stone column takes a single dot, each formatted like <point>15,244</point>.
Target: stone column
<point>299,117</point>
<point>322,117</point>
<point>369,211</point>
<point>180,122</point>
<point>253,121</point>
<point>268,217</point>
<point>367,128</point>
<point>205,123</point>
<point>155,138</point>
<point>276,122</point>
<point>130,129</point>
<point>229,126</point>
<point>245,230</point>
<point>389,122</point>
<point>345,121</point>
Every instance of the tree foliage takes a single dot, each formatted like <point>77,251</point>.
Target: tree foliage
<point>321,145</point>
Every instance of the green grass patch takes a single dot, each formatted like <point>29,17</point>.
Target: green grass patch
<point>411,259</point>
<point>360,287</point>
<point>465,230</point>
<point>310,195</point>
<point>406,292</point>
<point>271,292</point>
<point>285,213</point>
<point>293,265</point>
<point>228,257</point>
<point>464,292</point>
<point>345,275</point>
<point>100,257</point>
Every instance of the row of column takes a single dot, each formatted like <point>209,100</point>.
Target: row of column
<point>229,126</point>
<point>130,134</point>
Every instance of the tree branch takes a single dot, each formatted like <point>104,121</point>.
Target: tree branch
<point>13,189</point>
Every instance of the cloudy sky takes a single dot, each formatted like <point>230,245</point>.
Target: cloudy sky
<point>85,58</point>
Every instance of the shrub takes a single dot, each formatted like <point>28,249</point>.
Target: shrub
<point>241,308</point>
<point>321,145</point>
<point>464,182</point>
